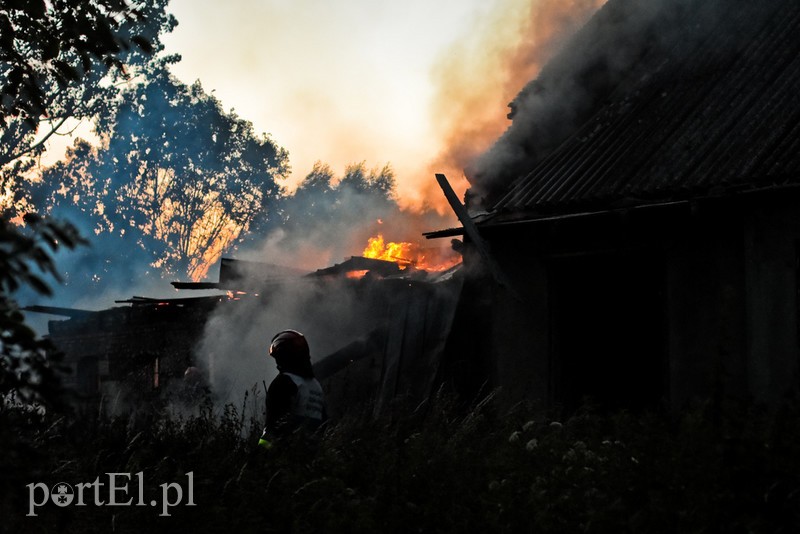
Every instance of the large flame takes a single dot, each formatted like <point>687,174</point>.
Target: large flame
<point>378,249</point>
<point>409,255</point>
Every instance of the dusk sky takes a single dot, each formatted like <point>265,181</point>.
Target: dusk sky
<point>353,80</point>
<point>423,86</point>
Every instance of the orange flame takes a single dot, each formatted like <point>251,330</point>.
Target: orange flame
<point>379,250</point>
<point>409,255</point>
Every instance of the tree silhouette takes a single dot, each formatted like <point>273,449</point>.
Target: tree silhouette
<point>61,63</point>
<point>324,208</point>
<point>174,171</point>
<point>59,60</point>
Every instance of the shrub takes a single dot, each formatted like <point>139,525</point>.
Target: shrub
<point>435,469</point>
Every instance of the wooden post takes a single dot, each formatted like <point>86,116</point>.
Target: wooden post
<point>472,232</point>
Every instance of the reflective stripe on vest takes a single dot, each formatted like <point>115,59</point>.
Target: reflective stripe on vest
<point>309,401</point>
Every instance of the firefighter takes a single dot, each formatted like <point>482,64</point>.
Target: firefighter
<point>294,399</point>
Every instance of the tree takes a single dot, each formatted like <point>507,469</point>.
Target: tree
<point>62,62</point>
<point>25,256</point>
<point>324,210</point>
<point>314,198</point>
<point>54,55</point>
<point>58,61</point>
<point>376,185</point>
<point>321,198</point>
<point>175,171</point>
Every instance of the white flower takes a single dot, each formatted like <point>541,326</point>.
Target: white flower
<point>527,426</point>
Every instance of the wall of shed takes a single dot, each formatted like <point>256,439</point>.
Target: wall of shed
<point>706,307</point>
<point>730,297</point>
<point>771,239</point>
<point>519,358</point>
<point>125,343</point>
<point>525,332</point>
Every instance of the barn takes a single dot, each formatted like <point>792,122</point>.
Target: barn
<point>639,221</point>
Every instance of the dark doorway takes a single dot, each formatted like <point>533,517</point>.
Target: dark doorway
<point>609,336</point>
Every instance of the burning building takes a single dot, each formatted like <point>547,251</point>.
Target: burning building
<point>377,330</point>
<point>640,244</point>
<point>637,242</point>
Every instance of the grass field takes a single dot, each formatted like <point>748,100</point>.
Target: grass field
<point>439,468</point>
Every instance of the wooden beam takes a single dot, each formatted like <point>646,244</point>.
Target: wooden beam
<point>474,235</point>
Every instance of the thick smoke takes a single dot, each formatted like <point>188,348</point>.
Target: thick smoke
<point>610,51</point>
<point>326,224</point>
<point>483,71</point>
<point>330,313</point>
<point>491,64</point>
<point>552,105</point>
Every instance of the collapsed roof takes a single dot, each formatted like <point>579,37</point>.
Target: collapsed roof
<point>240,275</point>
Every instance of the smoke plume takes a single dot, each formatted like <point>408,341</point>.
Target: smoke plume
<point>330,313</point>
<point>475,80</point>
<point>482,73</point>
<point>626,41</point>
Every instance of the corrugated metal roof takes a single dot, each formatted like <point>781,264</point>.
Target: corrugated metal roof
<point>716,111</point>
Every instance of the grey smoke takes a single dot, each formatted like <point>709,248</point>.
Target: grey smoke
<point>234,350</point>
<point>599,60</point>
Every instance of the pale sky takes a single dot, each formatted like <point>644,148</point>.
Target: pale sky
<point>340,82</point>
<point>422,85</point>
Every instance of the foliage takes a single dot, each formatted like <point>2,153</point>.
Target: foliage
<point>59,63</point>
<point>26,373</point>
<point>175,173</point>
<point>321,197</point>
<point>324,207</point>
<point>437,469</point>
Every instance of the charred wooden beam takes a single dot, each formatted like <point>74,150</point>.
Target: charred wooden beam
<point>474,235</point>
<point>195,285</point>
<point>55,310</point>
<point>359,263</point>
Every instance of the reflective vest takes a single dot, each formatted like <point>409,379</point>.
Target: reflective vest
<point>309,401</point>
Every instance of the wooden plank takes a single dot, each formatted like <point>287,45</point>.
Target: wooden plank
<point>474,235</point>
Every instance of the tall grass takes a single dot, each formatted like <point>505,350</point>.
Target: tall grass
<point>438,468</point>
